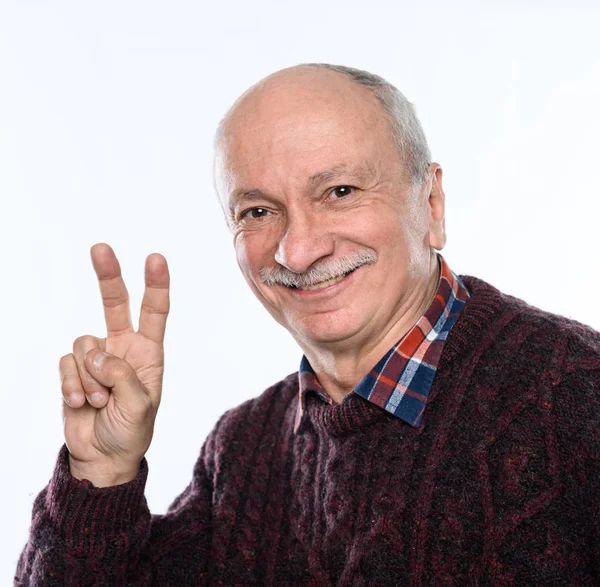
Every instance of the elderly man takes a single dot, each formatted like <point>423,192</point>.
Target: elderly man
<point>438,431</point>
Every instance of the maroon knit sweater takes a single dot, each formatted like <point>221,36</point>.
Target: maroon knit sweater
<point>500,485</point>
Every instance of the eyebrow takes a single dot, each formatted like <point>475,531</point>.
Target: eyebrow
<point>362,173</point>
<point>365,172</point>
<point>248,195</point>
<point>328,174</point>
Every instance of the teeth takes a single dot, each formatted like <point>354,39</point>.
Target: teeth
<point>323,284</point>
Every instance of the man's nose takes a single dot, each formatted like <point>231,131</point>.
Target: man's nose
<point>303,243</point>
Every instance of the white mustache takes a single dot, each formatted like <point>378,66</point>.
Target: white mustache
<point>327,270</point>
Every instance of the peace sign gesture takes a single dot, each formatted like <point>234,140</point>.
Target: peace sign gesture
<point>112,386</point>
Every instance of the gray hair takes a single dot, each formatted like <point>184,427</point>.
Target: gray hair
<point>322,271</point>
<point>406,128</point>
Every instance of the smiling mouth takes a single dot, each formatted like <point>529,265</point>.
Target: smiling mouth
<point>324,284</point>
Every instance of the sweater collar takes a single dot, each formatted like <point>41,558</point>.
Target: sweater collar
<point>401,380</point>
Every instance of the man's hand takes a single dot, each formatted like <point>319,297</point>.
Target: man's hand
<point>112,386</point>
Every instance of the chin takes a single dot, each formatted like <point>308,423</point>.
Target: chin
<point>327,327</point>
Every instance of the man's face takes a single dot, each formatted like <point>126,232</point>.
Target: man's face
<point>315,186</point>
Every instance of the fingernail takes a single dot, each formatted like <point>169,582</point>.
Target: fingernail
<point>97,397</point>
<point>99,359</point>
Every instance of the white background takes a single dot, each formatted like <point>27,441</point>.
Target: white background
<point>107,113</point>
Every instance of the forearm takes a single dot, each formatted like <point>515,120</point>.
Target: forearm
<point>82,535</point>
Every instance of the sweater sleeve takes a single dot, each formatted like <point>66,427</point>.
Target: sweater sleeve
<point>578,433</point>
<point>82,535</point>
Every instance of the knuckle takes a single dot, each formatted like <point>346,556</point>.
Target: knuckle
<point>115,299</point>
<point>70,385</point>
<point>90,386</point>
<point>155,308</point>
<point>84,342</point>
<point>121,369</point>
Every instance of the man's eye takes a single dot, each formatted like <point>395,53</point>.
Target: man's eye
<point>342,190</point>
<point>255,213</point>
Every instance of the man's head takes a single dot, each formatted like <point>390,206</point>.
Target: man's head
<point>325,176</point>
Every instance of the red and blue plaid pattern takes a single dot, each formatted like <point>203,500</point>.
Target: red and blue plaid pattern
<point>401,381</point>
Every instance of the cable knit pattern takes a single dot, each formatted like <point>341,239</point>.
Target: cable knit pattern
<point>499,485</point>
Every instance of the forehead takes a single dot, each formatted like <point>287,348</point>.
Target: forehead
<point>290,129</point>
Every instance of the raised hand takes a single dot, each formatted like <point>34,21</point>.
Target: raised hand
<point>112,386</point>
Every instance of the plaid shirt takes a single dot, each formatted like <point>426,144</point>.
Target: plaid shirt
<point>401,381</point>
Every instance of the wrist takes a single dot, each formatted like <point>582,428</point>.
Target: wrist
<point>102,474</point>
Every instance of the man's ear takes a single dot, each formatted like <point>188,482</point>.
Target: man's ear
<point>437,209</point>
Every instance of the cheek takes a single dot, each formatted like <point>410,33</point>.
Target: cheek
<point>397,235</point>
<point>241,252</point>
<point>252,252</point>
<point>245,259</point>
<point>249,263</point>
<point>252,255</point>
<point>376,227</point>
<point>403,226</point>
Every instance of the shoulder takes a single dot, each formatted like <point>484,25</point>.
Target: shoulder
<point>557,356</point>
<point>524,327</point>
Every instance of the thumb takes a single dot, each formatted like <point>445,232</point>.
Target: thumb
<point>115,373</point>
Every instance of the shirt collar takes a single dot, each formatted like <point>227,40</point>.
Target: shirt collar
<point>401,380</point>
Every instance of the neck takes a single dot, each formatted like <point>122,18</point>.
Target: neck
<point>339,372</point>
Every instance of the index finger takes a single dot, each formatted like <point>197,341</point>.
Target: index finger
<point>115,297</point>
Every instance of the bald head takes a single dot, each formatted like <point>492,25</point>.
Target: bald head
<point>301,87</point>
